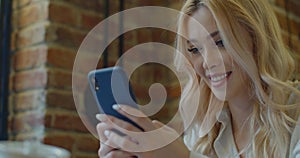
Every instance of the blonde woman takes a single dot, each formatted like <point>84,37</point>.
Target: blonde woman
<point>244,70</point>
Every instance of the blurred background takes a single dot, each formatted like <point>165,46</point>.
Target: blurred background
<point>39,42</point>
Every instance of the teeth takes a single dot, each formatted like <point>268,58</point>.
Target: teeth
<point>218,78</point>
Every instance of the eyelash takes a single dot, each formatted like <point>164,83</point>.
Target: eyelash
<point>219,43</point>
<point>195,50</point>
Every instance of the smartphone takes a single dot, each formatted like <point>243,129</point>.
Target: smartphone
<point>111,86</point>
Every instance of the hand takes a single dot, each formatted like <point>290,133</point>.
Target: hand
<point>157,140</point>
<point>105,150</point>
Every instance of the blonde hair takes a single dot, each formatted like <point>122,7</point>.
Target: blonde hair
<point>268,65</point>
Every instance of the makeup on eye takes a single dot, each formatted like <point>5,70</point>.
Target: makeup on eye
<point>219,43</point>
<point>193,50</point>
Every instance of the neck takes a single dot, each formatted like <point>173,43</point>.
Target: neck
<point>240,108</point>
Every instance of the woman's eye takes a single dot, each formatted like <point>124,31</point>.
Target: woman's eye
<point>194,50</point>
<point>219,43</point>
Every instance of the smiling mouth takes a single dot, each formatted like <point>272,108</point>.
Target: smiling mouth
<point>217,78</point>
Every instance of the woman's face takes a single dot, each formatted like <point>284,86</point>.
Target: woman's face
<point>210,59</point>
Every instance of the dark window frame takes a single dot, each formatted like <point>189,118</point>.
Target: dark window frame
<point>5,27</point>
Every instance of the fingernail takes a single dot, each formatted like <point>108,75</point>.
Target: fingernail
<point>116,107</point>
<point>106,133</point>
<point>101,117</point>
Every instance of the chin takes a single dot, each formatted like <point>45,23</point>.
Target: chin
<point>220,95</point>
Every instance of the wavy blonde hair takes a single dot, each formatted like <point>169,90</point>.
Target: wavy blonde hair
<point>268,65</point>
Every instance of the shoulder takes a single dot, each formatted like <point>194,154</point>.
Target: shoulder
<point>295,141</point>
<point>293,96</point>
<point>295,137</point>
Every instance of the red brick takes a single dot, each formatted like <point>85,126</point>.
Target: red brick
<point>88,143</point>
<point>69,37</point>
<point>13,41</point>
<point>295,27</point>
<point>48,119</point>
<point>60,79</point>
<point>130,36</point>
<point>65,140</point>
<point>292,6</point>
<point>282,20</point>
<point>30,80</point>
<point>280,3</point>
<point>33,13</point>
<point>15,5</point>
<point>27,121</point>
<point>10,123</point>
<point>60,99</point>
<point>144,35</point>
<point>69,122</point>
<point>20,3</point>
<point>61,58</point>
<point>157,3</point>
<point>113,52</point>
<point>130,41</point>
<point>35,135</point>
<point>31,35</point>
<point>285,38</point>
<point>30,58</point>
<point>175,4</point>
<point>89,21</point>
<point>296,46</point>
<point>131,4</point>
<point>11,83</point>
<point>85,155</point>
<point>114,7</point>
<point>29,100</point>
<point>95,5</point>
<point>63,13</point>
<point>143,75</point>
<point>158,34</point>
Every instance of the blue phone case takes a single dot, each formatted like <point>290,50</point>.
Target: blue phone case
<point>111,86</point>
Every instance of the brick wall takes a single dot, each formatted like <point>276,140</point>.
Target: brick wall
<point>288,14</point>
<point>45,37</point>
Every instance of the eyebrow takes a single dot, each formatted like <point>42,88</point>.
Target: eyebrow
<point>212,35</point>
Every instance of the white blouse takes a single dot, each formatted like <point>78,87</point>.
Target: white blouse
<point>224,144</point>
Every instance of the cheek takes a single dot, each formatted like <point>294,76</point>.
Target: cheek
<point>198,66</point>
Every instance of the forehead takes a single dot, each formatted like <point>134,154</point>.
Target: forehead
<point>200,24</point>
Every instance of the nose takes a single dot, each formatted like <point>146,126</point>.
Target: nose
<point>211,59</point>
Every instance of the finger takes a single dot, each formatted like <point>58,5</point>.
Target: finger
<point>136,116</point>
<point>120,154</point>
<point>117,123</point>
<point>157,124</point>
<point>104,149</point>
<point>123,143</point>
<point>101,127</point>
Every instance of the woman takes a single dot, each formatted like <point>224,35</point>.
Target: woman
<point>245,72</point>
